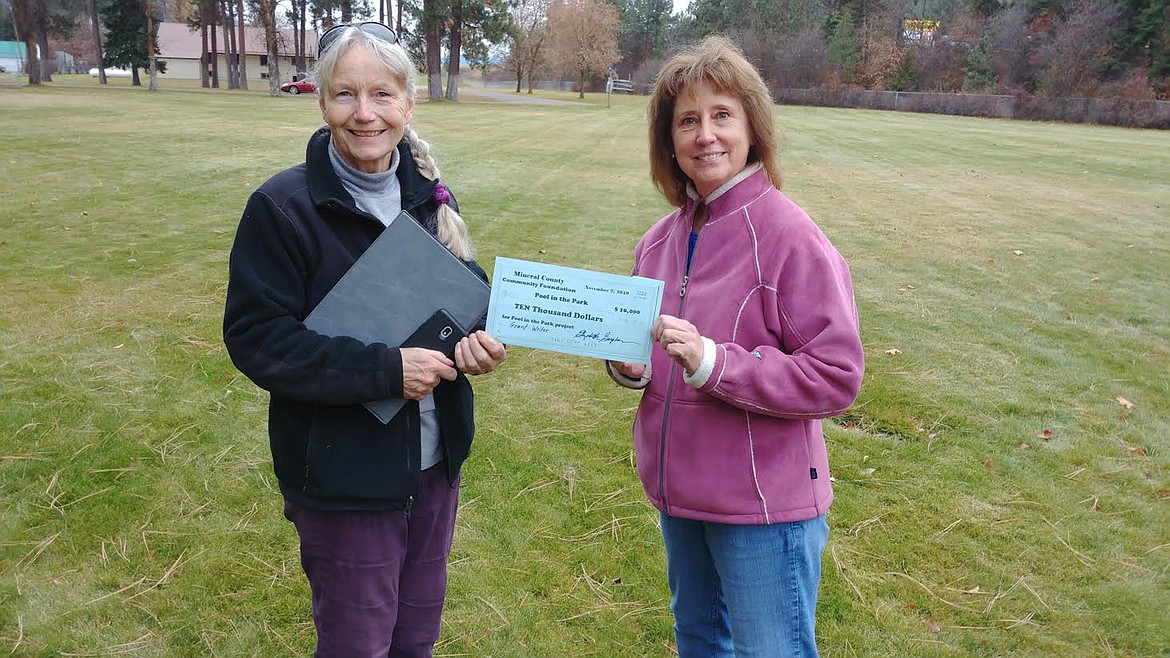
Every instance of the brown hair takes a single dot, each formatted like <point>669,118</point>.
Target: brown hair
<point>720,63</point>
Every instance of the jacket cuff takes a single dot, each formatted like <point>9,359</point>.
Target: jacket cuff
<point>628,382</point>
<point>706,366</point>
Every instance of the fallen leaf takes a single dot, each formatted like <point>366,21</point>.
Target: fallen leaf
<point>1095,279</point>
<point>933,626</point>
<point>1138,450</point>
<point>988,465</point>
<point>1024,446</point>
<point>1017,252</point>
<point>893,351</point>
<point>1045,434</point>
<point>1163,493</point>
<point>1125,403</point>
<point>867,471</point>
<point>973,590</point>
<point>911,606</point>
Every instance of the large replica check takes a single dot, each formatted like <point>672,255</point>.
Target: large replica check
<point>564,309</point>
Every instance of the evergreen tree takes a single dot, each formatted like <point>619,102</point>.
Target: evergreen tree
<point>978,74</point>
<point>907,76</point>
<point>1145,40</point>
<point>125,22</point>
<point>7,33</point>
<point>645,25</point>
<point>843,50</point>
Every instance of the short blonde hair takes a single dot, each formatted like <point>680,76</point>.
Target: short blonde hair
<point>719,62</point>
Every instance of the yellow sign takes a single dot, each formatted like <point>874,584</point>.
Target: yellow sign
<point>919,29</point>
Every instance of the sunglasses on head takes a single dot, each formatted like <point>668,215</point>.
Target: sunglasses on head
<point>373,28</point>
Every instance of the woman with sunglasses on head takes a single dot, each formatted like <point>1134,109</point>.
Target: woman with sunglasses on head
<point>758,342</point>
<point>374,505</point>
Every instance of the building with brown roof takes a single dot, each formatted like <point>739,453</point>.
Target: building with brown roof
<point>182,48</point>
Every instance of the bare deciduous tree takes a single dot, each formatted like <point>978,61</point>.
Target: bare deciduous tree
<point>529,40</point>
<point>584,36</point>
<point>1080,42</point>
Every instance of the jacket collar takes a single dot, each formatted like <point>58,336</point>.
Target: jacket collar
<point>748,184</point>
<point>325,187</point>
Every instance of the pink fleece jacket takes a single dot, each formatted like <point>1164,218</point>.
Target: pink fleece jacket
<point>740,441</point>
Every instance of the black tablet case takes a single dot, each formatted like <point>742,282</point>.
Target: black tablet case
<point>395,286</point>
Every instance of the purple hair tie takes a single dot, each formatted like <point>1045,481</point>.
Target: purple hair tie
<point>441,194</point>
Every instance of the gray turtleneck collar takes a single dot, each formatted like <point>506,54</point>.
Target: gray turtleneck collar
<point>378,194</point>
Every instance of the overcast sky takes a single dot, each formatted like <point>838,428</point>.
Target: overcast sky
<point>680,5</point>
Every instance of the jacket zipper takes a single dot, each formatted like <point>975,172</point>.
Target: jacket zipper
<point>409,465</point>
<point>682,293</point>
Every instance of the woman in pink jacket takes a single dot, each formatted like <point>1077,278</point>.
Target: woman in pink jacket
<point>759,338</point>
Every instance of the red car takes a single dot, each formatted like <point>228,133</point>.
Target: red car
<point>299,87</point>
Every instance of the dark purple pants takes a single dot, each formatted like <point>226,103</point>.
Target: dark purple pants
<point>379,578</point>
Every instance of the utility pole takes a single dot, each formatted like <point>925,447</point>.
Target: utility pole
<point>150,47</point>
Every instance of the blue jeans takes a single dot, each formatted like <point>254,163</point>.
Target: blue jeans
<point>744,590</point>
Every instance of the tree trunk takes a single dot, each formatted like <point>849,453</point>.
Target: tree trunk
<point>24,23</point>
<point>48,61</point>
<point>303,65</point>
<point>97,41</point>
<point>242,49</point>
<point>454,46</point>
<point>296,38</point>
<point>203,58</point>
<point>134,79</point>
<point>519,78</point>
<point>346,11</point>
<point>434,56</point>
<point>398,29</point>
<point>268,19</point>
<point>229,47</point>
<point>150,46</point>
<point>581,94</point>
<point>214,54</point>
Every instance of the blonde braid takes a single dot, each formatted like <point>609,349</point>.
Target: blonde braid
<point>452,229</point>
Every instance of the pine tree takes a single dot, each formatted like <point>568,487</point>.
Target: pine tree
<point>125,21</point>
<point>843,50</point>
<point>978,74</point>
<point>907,76</point>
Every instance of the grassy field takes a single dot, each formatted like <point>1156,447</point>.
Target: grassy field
<point>1003,483</point>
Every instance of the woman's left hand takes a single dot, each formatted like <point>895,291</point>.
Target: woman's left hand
<point>681,340</point>
<point>479,353</point>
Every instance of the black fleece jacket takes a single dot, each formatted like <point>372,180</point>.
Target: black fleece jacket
<point>299,233</point>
